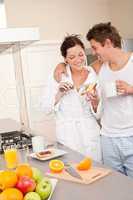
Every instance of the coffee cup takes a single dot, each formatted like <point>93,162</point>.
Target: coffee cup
<point>38,143</point>
<point>110,89</point>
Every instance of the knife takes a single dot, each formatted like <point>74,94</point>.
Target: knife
<point>72,171</point>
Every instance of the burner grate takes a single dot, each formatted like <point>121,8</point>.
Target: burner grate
<point>18,138</point>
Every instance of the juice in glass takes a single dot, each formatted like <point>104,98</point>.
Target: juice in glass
<point>11,158</point>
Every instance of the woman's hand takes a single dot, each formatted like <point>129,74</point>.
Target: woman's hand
<point>123,87</point>
<point>59,70</point>
<point>93,98</point>
<point>64,87</point>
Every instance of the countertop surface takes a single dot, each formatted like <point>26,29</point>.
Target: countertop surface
<point>115,186</point>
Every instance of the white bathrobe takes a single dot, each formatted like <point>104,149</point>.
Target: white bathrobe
<point>76,126</point>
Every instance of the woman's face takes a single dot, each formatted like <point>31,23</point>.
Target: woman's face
<point>76,57</point>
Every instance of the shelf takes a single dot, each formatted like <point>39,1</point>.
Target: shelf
<point>9,37</point>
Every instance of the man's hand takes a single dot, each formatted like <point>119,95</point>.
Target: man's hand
<point>123,87</point>
<point>60,68</point>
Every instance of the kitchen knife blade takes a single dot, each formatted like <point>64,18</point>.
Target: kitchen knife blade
<point>72,172</point>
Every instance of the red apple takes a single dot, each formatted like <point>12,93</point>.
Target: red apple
<point>26,184</point>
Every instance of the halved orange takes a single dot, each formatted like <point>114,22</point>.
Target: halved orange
<point>56,166</point>
<point>85,164</point>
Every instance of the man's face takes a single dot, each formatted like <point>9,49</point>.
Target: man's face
<point>99,50</point>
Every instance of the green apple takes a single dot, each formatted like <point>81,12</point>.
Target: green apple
<point>44,188</point>
<point>37,174</point>
<point>32,196</point>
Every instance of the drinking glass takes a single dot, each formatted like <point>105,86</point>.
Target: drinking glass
<point>11,156</point>
<point>24,152</point>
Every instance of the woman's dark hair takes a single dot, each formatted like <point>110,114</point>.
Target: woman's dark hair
<point>70,41</point>
<point>101,32</point>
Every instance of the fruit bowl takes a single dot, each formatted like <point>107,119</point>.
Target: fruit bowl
<point>54,182</point>
<point>15,185</point>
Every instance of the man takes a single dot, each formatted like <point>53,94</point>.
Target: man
<point>117,115</point>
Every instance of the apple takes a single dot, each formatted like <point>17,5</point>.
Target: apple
<point>37,174</point>
<point>44,188</point>
<point>26,184</point>
<point>32,196</point>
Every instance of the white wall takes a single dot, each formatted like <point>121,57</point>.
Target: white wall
<point>56,17</point>
<point>121,13</point>
<point>2,15</point>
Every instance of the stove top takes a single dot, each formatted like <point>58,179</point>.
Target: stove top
<point>17,138</point>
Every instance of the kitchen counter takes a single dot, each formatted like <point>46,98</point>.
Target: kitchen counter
<point>115,186</point>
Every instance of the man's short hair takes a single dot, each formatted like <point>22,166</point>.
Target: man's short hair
<point>102,31</point>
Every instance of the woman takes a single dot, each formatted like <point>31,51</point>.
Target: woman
<point>76,126</point>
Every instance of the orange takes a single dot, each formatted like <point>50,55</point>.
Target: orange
<point>11,194</point>
<point>7,179</point>
<point>85,164</point>
<point>24,170</point>
<point>56,166</point>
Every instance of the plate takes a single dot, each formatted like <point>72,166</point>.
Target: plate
<point>54,182</point>
<point>55,153</point>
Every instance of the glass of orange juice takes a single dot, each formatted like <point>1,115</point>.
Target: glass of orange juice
<point>11,157</point>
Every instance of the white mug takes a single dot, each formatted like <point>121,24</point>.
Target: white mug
<point>110,89</point>
<point>38,143</point>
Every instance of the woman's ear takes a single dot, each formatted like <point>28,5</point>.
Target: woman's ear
<point>65,61</point>
<point>108,43</point>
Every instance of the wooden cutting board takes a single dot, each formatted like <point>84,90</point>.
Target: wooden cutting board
<point>88,176</point>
